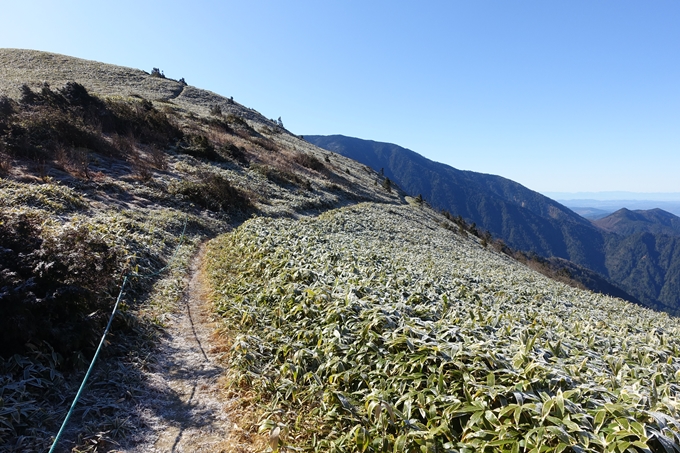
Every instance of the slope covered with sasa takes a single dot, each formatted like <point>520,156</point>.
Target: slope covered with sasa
<point>373,328</point>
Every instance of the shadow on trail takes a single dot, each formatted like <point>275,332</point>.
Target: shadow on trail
<point>182,411</point>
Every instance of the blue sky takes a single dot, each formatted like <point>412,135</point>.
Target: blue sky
<point>561,96</point>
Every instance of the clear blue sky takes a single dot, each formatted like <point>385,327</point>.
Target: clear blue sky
<point>557,95</point>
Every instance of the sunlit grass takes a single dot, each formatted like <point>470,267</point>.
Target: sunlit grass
<point>373,329</point>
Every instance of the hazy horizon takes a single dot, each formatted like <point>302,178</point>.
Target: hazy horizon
<point>614,196</point>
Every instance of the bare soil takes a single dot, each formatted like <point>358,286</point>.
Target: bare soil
<point>186,411</point>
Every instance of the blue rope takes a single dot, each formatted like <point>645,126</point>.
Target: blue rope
<point>106,331</point>
<point>87,375</point>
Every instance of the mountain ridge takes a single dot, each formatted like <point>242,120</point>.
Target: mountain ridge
<point>626,222</point>
<point>529,221</point>
<point>33,68</point>
<point>467,194</point>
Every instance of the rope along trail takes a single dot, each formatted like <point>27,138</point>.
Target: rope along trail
<point>106,331</point>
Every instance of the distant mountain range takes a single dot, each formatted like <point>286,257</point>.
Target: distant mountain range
<point>637,251</point>
<point>595,209</point>
<point>595,205</point>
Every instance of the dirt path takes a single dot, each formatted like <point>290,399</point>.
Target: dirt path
<point>184,411</point>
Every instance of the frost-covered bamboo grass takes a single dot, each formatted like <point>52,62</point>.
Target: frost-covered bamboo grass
<point>372,328</point>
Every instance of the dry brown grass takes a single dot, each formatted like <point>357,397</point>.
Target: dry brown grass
<point>243,435</point>
<point>242,401</point>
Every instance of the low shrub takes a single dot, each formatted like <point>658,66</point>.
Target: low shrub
<point>265,143</point>
<point>76,94</point>
<point>6,106</point>
<point>28,97</point>
<point>387,184</point>
<point>37,136</point>
<point>235,119</point>
<point>5,162</point>
<point>158,157</point>
<point>51,284</point>
<point>199,146</point>
<point>141,120</point>
<point>280,176</point>
<point>51,126</point>
<point>219,123</point>
<point>234,153</point>
<point>213,192</point>
<point>28,384</point>
<point>309,161</point>
<point>246,132</point>
<point>216,110</point>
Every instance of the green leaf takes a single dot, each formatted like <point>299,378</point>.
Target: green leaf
<point>559,401</point>
<point>642,446</point>
<point>599,419</point>
<point>561,434</point>
<point>547,406</point>
<point>623,445</point>
<point>476,417</point>
<point>517,414</point>
<point>499,442</point>
<point>561,447</point>
<point>361,438</point>
<point>400,444</point>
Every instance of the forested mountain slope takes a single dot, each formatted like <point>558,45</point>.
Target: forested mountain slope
<point>524,219</point>
<point>645,266</point>
<point>626,222</point>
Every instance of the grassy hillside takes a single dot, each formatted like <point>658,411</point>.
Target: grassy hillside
<point>373,328</point>
<point>369,327</point>
<point>101,169</point>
